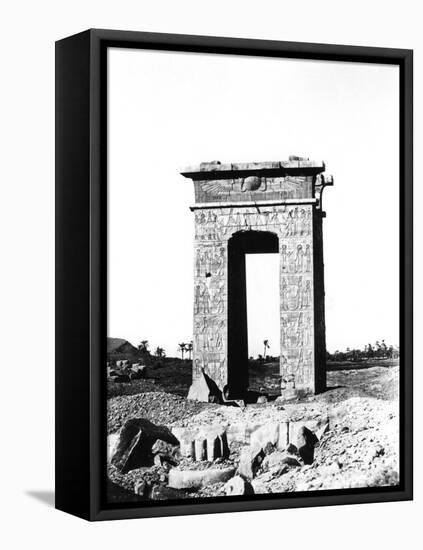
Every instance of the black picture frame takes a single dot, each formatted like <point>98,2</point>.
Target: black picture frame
<point>81,273</point>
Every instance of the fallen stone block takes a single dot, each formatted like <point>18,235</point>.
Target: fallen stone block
<point>283,436</point>
<point>322,431</point>
<point>279,459</point>
<point>205,389</point>
<point>200,447</point>
<point>274,433</point>
<point>217,444</point>
<point>306,441</point>
<point>204,443</point>
<point>136,439</point>
<point>238,486</point>
<point>268,433</point>
<point>291,461</point>
<point>195,479</point>
<point>250,461</point>
<point>139,370</point>
<point>165,449</point>
<point>112,441</point>
<point>188,447</point>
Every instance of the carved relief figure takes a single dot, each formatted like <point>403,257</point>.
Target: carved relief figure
<point>284,294</point>
<point>299,258</point>
<point>306,296</point>
<point>290,230</point>
<point>284,258</point>
<point>307,255</point>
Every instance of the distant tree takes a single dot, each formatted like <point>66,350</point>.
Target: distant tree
<point>266,345</point>
<point>160,352</point>
<point>143,346</point>
<point>182,349</point>
<point>188,348</point>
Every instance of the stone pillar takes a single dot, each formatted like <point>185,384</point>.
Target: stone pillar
<point>258,207</point>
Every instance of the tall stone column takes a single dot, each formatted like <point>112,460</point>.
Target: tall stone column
<point>253,208</point>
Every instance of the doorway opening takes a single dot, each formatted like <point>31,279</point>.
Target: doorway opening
<point>240,246</point>
<point>263,320</point>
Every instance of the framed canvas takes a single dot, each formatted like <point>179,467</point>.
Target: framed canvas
<point>222,344</point>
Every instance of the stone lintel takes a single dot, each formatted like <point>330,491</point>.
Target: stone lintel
<point>251,204</point>
<point>215,170</point>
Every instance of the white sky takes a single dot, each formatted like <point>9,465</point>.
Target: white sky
<point>169,110</point>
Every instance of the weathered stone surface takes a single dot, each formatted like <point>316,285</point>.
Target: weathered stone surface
<point>195,479</point>
<point>261,400</point>
<point>200,447</point>
<point>279,459</point>
<point>238,486</point>
<point>266,434</point>
<point>280,198</point>
<point>204,443</point>
<point>136,439</point>
<point>112,441</point>
<point>306,441</point>
<point>204,389</point>
<point>164,448</point>
<point>283,437</point>
<point>291,449</point>
<point>322,430</point>
<point>250,461</point>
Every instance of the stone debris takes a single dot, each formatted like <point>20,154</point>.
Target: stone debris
<point>195,479</point>
<point>204,389</point>
<point>306,440</point>
<point>136,439</point>
<point>112,441</point>
<point>238,486</point>
<point>204,443</point>
<point>250,461</point>
<point>279,459</point>
<point>354,443</point>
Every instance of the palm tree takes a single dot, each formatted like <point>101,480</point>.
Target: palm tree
<point>160,352</point>
<point>182,349</point>
<point>188,348</point>
<point>143,346</point>
<point>266,346</point>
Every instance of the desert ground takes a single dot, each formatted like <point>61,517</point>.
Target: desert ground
<point>346,437</point>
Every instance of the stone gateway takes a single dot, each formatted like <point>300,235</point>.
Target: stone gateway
<point>266,207</point>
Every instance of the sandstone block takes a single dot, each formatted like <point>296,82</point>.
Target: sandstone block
<point>195,479</point>
<point>136,439</point>
<point>268,433</point>
<point>306,441</point>
<point>238,486</point>
<point>250,461</point>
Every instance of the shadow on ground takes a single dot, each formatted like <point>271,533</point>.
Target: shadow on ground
<point>46,497</point>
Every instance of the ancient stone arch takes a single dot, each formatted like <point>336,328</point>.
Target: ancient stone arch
<point>258,207</point>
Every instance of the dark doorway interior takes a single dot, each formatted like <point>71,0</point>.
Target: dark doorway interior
<point>240,244</point>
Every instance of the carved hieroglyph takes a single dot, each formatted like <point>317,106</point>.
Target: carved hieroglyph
<point>285,206</point>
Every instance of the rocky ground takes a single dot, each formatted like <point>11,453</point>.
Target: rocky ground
<point>355,422</point>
